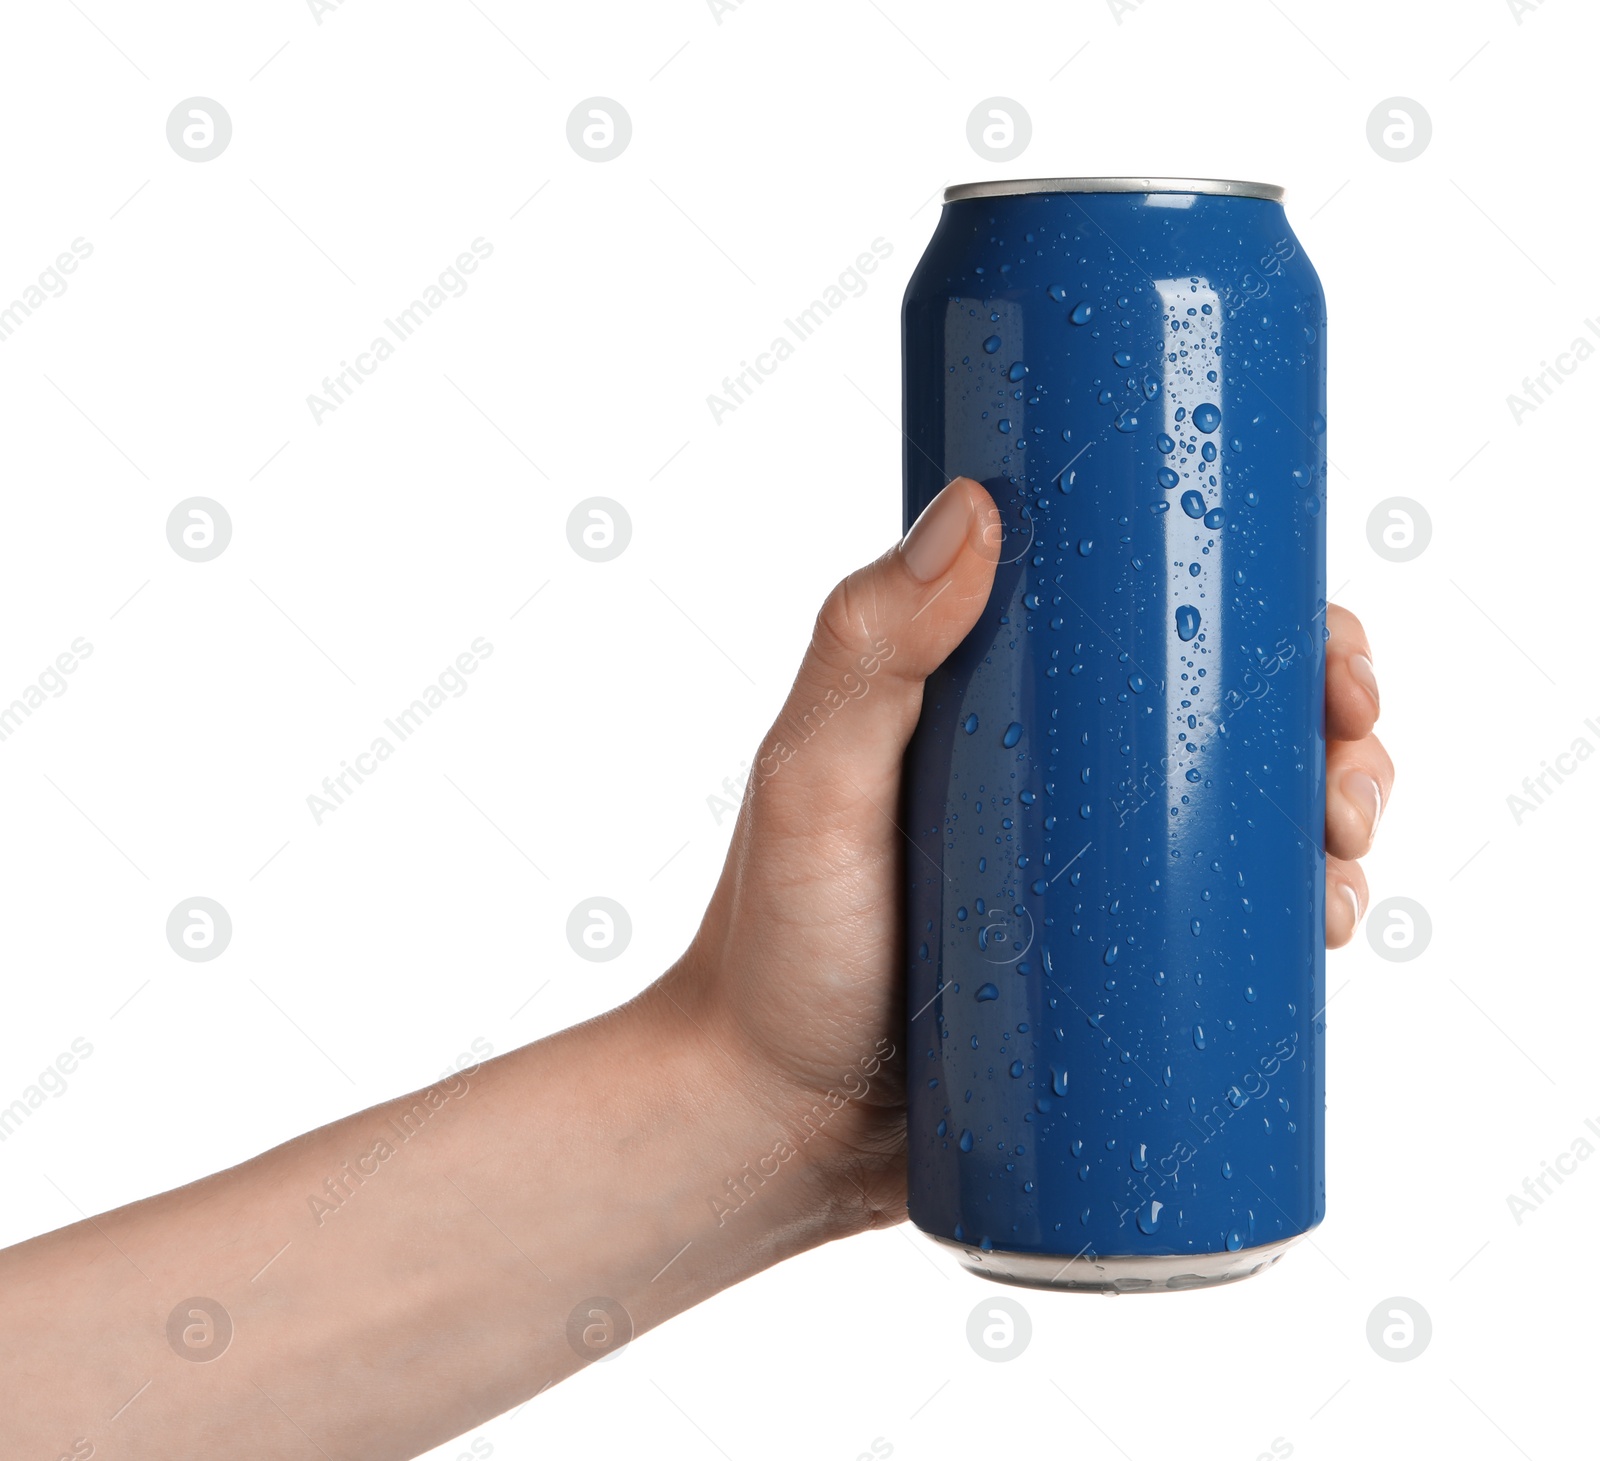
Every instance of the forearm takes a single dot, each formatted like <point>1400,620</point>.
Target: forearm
<point>398,1276</point>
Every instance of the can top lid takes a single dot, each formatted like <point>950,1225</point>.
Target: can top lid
<point>1007,187</point>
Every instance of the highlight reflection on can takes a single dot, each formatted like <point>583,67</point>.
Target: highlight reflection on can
<point>1114,901</point>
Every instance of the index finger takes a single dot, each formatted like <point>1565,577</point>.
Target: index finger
<point>1352,693</point>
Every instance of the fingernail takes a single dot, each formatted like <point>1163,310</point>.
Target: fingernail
<point>1349,895</point>
<point>936,537</point>
<point>1363,793</point>
<point>1362,673</point>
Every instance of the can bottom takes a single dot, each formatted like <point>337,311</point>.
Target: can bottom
<point>1098,1274</point>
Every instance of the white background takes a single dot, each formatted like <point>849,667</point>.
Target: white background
<point>768,150</point>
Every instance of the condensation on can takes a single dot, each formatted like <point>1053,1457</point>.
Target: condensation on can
<point>1114,907</point>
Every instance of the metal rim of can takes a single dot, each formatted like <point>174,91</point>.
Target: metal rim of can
<point>1009,187</point>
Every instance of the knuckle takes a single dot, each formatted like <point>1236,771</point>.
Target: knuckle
<point>1358,883</point>
<point>1344,621</point>
<point>838,631</point>
<point>1347,634</point>
<point>1347,834</point>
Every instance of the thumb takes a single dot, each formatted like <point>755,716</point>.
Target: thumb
<point>880,634</point>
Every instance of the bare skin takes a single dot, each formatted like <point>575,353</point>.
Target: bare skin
<point>391,1280</point>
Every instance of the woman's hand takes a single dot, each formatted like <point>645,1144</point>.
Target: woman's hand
<point>798,960</point>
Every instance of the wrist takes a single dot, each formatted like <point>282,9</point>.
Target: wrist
<point>805,1155</point>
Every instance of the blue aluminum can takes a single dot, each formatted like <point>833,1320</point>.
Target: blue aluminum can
<point>1114,896</point>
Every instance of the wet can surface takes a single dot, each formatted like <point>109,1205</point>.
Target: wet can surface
<point>1114,893</point>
